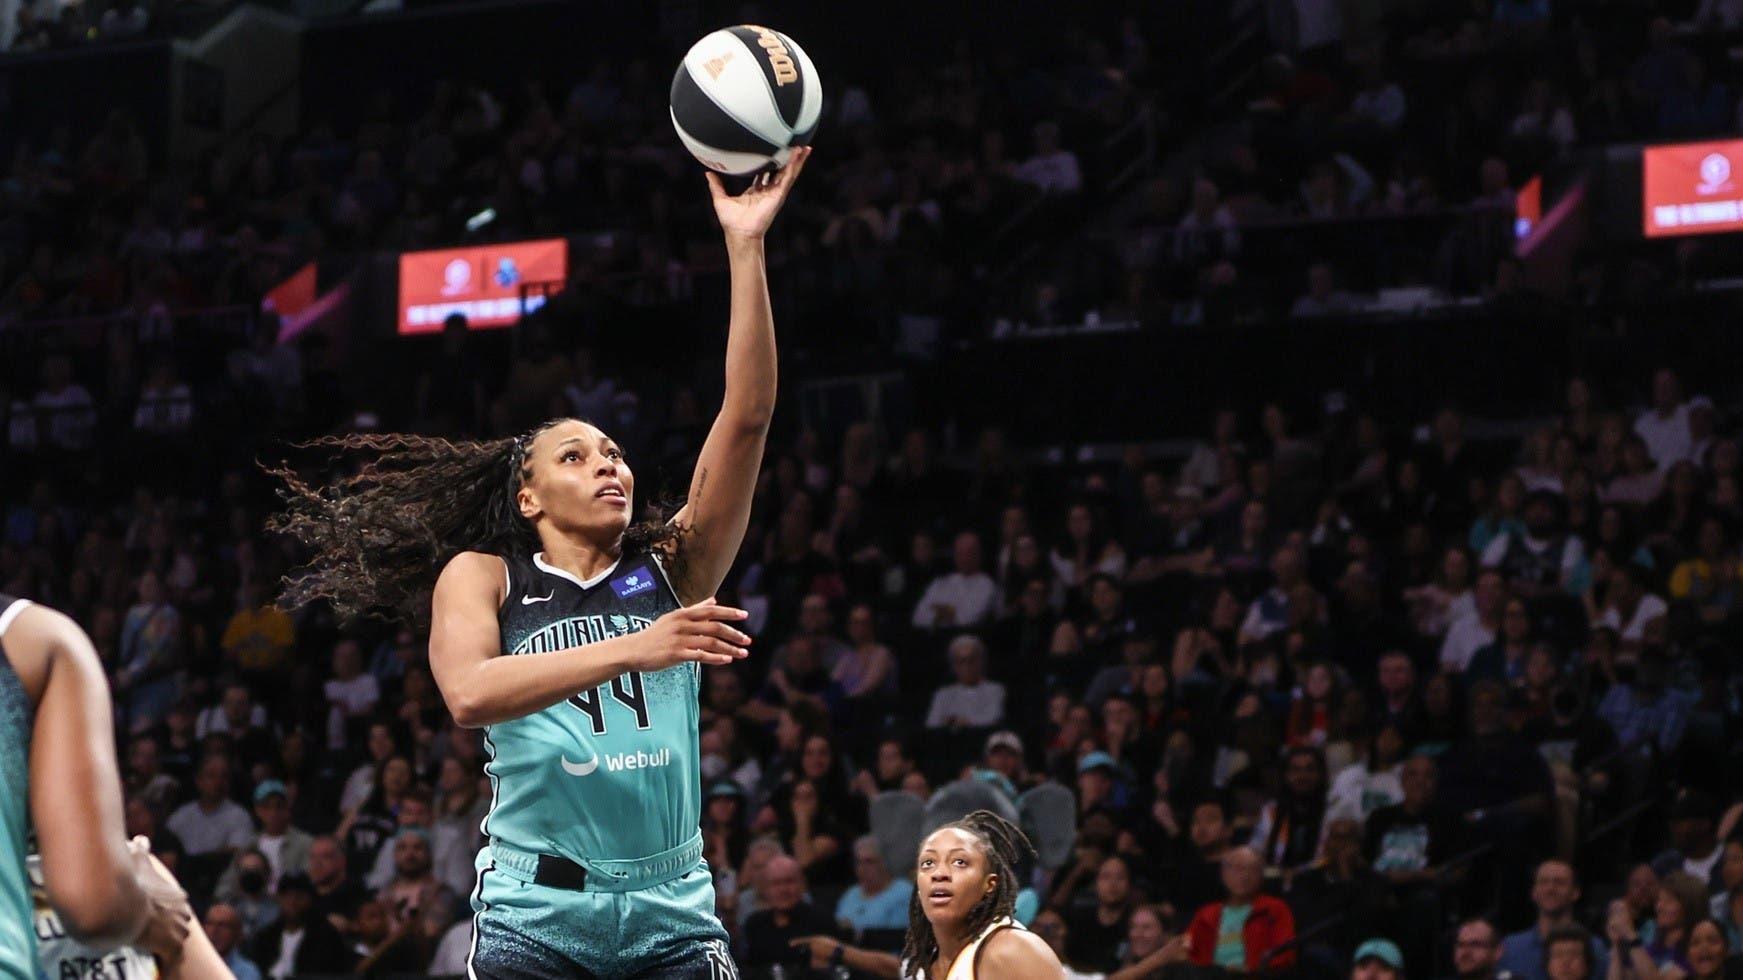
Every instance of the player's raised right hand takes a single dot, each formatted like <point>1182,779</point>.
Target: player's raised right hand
<point>699,632</point>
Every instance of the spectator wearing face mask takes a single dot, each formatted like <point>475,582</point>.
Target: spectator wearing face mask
<point>1644,707</point>
<point>247,889</point>
<point>285,847</point>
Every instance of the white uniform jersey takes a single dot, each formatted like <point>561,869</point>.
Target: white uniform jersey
<point>64,958</point>
<point>964,967</point>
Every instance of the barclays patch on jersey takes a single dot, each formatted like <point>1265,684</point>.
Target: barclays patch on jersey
<point>635,583</point>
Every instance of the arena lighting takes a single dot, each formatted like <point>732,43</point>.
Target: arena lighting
<point>482,283</point>
<point>1692,188</point>
<point>481,219</point>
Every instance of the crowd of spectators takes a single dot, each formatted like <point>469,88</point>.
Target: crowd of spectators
<point>915,176</point>
<point>1416,123</point>
<point>1357,693</point>
<point>43,25</point>
<point>1380,146</point>
<point>1307,688</point>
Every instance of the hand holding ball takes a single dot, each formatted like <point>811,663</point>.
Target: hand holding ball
<point>744,98</point>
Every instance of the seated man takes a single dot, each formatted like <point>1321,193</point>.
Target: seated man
<point>1240,932</point>
<point>1555,890</point>
<point>783,916</point>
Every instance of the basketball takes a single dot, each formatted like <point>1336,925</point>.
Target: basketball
<point>743,97</point>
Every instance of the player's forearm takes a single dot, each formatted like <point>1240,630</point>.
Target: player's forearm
<point>200,960</point>
<point>875,963</point>
<point>750,343</point>
<point>506,687</point>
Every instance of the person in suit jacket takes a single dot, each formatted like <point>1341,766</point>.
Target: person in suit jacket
<point>300,942</point>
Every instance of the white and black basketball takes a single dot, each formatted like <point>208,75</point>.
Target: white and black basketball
<point>743,98</point>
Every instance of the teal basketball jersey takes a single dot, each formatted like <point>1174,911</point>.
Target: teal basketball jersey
<point>17,913</point>
<point>612,773</point>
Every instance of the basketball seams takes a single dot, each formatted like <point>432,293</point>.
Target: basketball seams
<point>771,126</point>
<point>733,136</point>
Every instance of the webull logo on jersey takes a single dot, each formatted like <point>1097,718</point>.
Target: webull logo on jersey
<point>635,583</point>
<point>619,761</point>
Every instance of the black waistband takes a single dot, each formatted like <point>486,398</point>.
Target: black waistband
<point>560,872</point>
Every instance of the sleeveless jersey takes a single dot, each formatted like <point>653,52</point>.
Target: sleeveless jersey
<point>17,934</point>
<point>65,958</point>
<point>612,773</point>
<point>964,966</point>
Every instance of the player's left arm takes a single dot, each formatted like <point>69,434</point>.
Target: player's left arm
<point>1019,955</point>
<point>718,509</point>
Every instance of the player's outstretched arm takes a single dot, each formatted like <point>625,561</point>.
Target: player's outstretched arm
<point>483,687</point>
<point>718,508</point>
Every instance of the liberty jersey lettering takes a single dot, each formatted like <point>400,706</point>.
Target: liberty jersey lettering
<point>613,772</point>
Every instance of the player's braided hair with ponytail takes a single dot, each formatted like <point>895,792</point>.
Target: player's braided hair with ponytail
<point>380,535</point>
<point>1005,845</point>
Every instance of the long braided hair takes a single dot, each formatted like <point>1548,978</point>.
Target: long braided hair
<point>380,535</point>
<point>1005,846</point>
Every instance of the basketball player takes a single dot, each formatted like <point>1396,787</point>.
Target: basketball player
<point>575,639</point>
<point>960,921</point>
<point>57,757</point>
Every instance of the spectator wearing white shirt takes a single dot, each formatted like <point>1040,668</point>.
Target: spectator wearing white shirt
<point>1322,298</point>
<point>1380,102</point>
<point>211,823</point>
<point>1367,786</point>
<point>961,599</point>
<point>973,701</point>
<point>1053,169</point>
<point>235,713</point>
<point>65,414</point>
<point>1476,630</point>
<point>1542,116</point>
<point>1665,426</point>
<point>1270,612</point>
<point>126,19</point>
<point>1703,425</point>
<point>351,694</point>
<point>1631,609</point>
<point>1208,231</point>
<point>166,406</point>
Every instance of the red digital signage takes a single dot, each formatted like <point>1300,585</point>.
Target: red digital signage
<point>1692,188</point>
<point>1528,208</point>
<point>482,283</point>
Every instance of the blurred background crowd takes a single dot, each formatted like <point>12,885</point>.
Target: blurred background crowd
<point>1439,652</point>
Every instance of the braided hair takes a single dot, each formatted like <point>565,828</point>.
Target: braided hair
<point>380,535</point>
<point>1005,845</point>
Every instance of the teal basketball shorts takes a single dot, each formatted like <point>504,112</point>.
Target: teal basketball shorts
<point>667,931</point>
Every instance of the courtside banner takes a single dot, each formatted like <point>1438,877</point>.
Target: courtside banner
<point>482,283</point>
<point>1692,188</point>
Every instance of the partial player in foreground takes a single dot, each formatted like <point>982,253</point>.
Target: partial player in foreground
<point>112,905</point>
<point>575,638</point>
